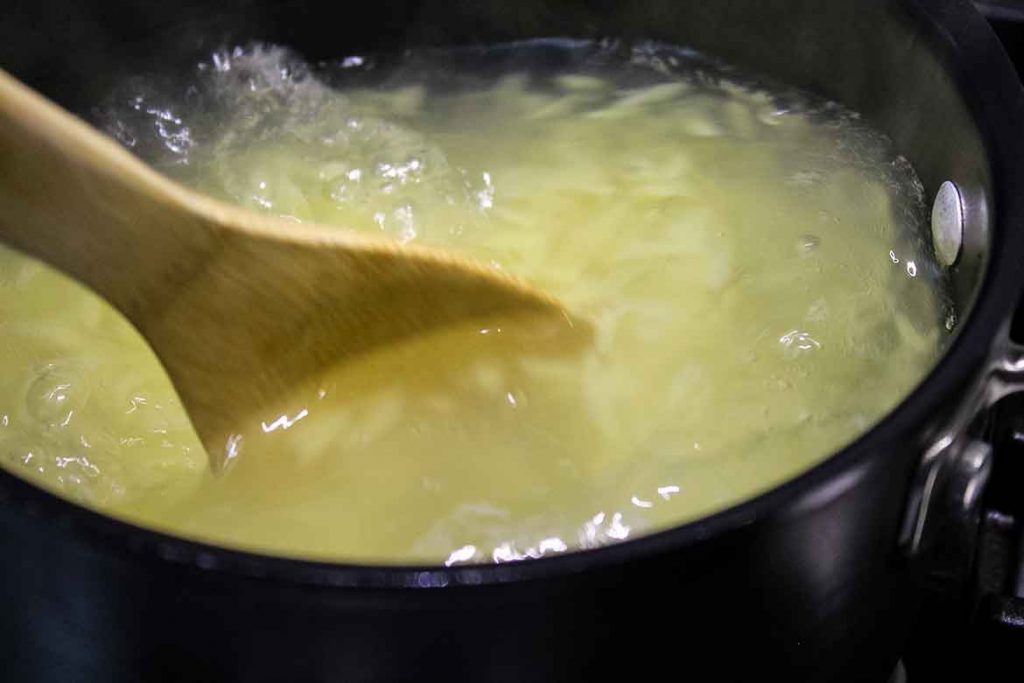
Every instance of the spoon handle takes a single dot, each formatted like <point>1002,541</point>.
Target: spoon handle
<point>76,199</point>
<point>240,307</point>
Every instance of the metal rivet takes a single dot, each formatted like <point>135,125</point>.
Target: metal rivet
<point>974,467</point>
<point>948,223</point>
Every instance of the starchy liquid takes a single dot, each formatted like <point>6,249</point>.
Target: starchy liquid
<point>749,257</point>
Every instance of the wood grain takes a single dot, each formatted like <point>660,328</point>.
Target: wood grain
<point>238,306</point>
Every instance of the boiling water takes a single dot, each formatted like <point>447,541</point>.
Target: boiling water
<point>748,256</point>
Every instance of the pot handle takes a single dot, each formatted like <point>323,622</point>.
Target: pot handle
<point>955,468</point>
<point>969,560</point>
<point>999,563</point>
<point>996,632</point>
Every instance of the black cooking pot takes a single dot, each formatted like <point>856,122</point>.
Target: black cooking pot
<point>817,579</point>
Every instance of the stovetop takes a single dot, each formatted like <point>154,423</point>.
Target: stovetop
<point>974,633</point>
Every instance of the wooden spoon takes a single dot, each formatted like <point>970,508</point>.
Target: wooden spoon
<point>238,306</point>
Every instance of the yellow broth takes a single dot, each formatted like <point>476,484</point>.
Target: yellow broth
<point>749,258</point>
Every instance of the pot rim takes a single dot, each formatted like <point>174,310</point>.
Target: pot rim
<point>989,86</point>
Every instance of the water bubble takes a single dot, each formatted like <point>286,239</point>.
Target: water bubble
<point>54,396</point>
<point>551,545</point>
<point>772,114</point>
<point>506,552</point>
<point>466,553</point>
<point>808,244</point>
<point>601,528</point>
<point>147,123</point>
<point>404,224</point>
<point>798,341</point>
<point>77,465</point>
<point>668,491</point>
<point>221,62</point>
<point>485,197</point>
<point>617,529</point>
